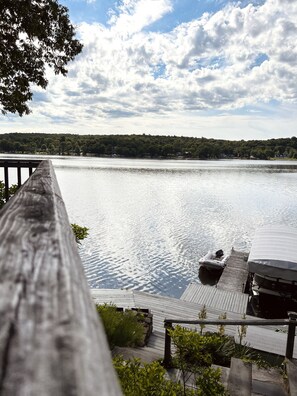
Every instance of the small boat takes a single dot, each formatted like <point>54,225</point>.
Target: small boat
<point>214,260</point>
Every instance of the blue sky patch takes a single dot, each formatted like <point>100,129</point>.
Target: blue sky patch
<point>260,58</point>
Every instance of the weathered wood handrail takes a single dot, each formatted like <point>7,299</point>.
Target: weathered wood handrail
<point>18,164</point>
<point>291,323</point>
<point>51,339</point>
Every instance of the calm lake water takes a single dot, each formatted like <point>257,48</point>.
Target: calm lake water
<point>150,220</point>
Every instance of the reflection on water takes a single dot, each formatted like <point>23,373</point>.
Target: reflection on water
<point>150,221</point>
<point>209,277</point>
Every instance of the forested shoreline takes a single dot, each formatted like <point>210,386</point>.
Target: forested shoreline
<point>146,146</point>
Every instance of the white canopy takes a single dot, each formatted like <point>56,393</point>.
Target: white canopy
<point>274,252</point>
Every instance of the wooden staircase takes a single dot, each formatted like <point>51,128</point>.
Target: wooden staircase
<point>241,379</point>
<point>246,379</point>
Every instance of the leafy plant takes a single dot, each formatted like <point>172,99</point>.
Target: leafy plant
<point>242,329</point>
<point>47,40</point>
<point>202,315</point>
<point>221,327</point>
<point>191,347</point>
<point>80,232</point>
<point>121,328</point>
<point>144,380</point>
<point>149,379</point>
<point>209,383</point>
<point>193,352</point>
<point>229,348</point>
<point>11,191</point>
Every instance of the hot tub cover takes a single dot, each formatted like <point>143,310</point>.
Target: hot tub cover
<point>274,252</point>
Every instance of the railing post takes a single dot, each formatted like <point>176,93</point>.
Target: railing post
<point>19,173</point>
<point>6,183</point>
<point>291,334</point>
<point>167,362</point>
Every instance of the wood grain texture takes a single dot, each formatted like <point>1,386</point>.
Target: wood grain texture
<point>235,274</point>
<point>225,300</point>
<point>51,340</point>
<point>240,378</point>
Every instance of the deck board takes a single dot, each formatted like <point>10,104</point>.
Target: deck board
<point>210,296</point>
<point>120,297</point>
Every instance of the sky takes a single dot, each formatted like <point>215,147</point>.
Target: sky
<point>212,68</point>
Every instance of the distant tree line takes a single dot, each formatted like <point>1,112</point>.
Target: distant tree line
<point>146,146</point>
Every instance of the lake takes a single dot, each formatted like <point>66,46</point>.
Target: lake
<point>151,220</point>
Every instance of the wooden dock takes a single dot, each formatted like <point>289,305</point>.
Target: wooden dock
<point>227,297</point>
<point>261,338</point>
<point>228,294</point>
<point>223,300</point>
<point>235,274</point>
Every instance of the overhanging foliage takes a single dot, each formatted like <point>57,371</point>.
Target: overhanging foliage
<point>33,34</point>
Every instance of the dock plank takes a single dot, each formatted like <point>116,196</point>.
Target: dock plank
<point>210,296</point>
<point>235,274</point>
<point>120,297</point>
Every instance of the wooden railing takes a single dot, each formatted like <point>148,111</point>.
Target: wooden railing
<point>291,322</point>
<point>51,339</point>
<point>19,165</point>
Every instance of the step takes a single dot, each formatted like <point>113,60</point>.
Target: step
<point>145,354</point>
<point>267,382</point>
<point>240,378</point>
<point>291,369</point>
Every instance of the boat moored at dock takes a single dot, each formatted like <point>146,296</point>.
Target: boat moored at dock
<point>272,266</point>
<point>214,260</point>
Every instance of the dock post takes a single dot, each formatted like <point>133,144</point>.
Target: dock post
<point>291,334</point>
<point>167,362</point>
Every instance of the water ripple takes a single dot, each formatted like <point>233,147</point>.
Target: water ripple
<point>149,227</point>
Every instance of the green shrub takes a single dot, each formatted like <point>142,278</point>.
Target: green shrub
<point>121,328</point>
<point>209,383</point>
<point>191,348</point>
<point>149,379</point>
<point>194,356</point>
<point>194,349</point>
<point>11,191</point>
<point>80,232</point>
<point>144,380</point>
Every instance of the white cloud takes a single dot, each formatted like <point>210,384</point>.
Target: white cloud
<point>134,15</point>
<point>234,58</point>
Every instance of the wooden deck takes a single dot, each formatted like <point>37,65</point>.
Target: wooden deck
<point>234,276</point>
<point>224,300</point>
<point>261,338</point>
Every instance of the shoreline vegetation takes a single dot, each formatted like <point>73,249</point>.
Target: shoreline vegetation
<point>146,146</point>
